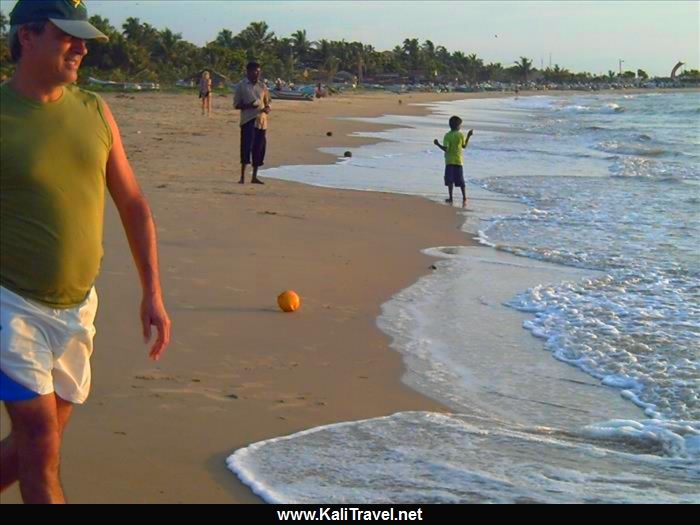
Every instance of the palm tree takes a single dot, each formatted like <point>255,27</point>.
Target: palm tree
<point>411,49</point>
<point>524,67</point>
<point>167,46</point>
<point>96,20</point>
<point>301,43</point>
<point>331,66</point>
<point>225,39</point>
<point>557,73</point>
<point>474,65</point>
<point>359,56</point>
<point>138,33</point>
<point>443,59</point>
<point>132,28</point>
<point>166,53</point>
<point>369,57</point>
<point>429,59</point>
<point>285,49</point>
<point>494,71</point>
<point>256,36</point>
<point>324,51</point>
<point>459,63</point>
<point>391,61</point>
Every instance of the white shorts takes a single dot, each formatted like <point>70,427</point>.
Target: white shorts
<point>46,349</point>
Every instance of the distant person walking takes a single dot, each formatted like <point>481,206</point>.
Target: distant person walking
<point>60,152</point>
<point>205,92</point>
<point>453,144</point>
<point>252,98</point>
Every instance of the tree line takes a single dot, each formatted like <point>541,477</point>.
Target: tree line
<point>139,52</point>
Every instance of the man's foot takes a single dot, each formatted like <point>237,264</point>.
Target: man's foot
<point>448,201</point>
<point>464,203</point>
<point>241,181</point>
<point>256,181</point>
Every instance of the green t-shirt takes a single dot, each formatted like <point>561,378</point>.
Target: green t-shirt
<point>454,142</point>
<point>53,165</point>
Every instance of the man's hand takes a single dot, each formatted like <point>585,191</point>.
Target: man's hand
<point>153,313</point>
<point>247,105</point>
<point>267,109</point>
<point>470,133</point>
<point>436,142</point>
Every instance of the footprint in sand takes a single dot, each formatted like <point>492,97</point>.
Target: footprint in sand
<point>155,377</point>
<point>277,214</point>
<point>208,393</point>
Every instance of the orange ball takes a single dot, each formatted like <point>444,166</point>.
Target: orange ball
<point>289,301</point>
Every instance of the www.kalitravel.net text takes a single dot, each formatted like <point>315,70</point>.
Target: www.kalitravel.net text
<point>350,514</point>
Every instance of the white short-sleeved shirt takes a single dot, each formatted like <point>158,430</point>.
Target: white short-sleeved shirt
<point>248,92</point>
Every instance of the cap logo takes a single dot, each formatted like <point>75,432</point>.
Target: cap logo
<point>76,3</point>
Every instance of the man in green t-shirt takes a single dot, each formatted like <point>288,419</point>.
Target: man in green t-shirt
<point>60,151</point>
<point>453,144</point>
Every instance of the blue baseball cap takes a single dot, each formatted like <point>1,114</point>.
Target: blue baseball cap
<point>70,16</point>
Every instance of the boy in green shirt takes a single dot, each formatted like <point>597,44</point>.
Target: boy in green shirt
<point>453,144</point>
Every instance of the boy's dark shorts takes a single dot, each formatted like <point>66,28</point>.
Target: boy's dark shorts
<point>454,175</point>
<point>253,144</point>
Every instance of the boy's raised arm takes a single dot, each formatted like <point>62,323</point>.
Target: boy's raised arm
<point>437,143</point>
<point>469,134</point>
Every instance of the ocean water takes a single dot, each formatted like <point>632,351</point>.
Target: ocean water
<point>566,345</point>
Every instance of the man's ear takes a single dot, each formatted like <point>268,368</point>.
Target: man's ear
<point>25,37</point>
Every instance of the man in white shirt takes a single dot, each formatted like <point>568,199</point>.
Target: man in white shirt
<point>252,98</point>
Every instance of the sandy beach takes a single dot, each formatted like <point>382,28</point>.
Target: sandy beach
<point>239,370</point>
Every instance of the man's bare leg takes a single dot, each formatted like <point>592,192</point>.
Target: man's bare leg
<point>255,179</point>
<point>242,181</point>
<point>8,448</point>
<point>31,453</point>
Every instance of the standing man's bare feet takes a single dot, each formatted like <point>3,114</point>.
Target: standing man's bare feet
<point>448,201</point>
<point>241,181</point>
<point>464,203</point>
<point>256,181</point>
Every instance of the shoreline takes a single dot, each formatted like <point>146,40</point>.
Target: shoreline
<point>516,386</point>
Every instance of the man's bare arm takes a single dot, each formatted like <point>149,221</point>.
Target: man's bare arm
<point>266,101</point>
<point>141,233</point>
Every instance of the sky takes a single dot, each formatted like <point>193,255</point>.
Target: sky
<point>579,35</point>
